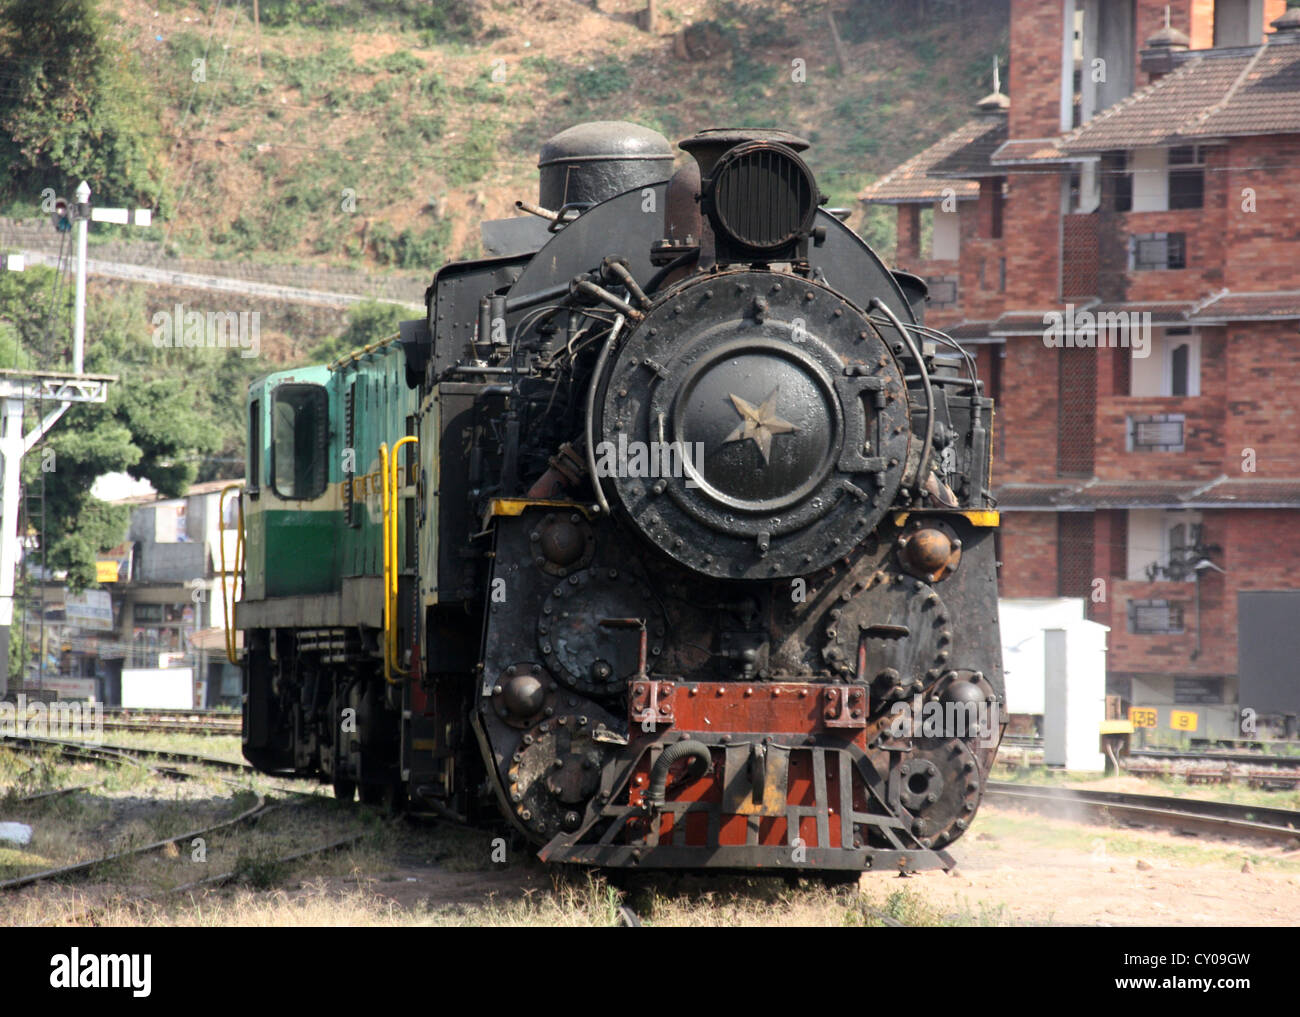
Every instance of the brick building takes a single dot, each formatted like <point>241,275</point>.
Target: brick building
<point>1117,238</point>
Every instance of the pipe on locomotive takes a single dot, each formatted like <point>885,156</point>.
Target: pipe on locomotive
<point>928,445</point>
<point>701,763</point>
<point>591,411</point>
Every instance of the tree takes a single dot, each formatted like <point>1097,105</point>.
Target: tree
<point>368,322</point>
<point>155,425</point>
<point>72,106</point>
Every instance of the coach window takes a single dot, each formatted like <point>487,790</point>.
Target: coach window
<point>300,431</point>
<point>254,447</point>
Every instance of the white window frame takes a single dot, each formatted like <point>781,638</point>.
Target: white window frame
<point>1168,342</point>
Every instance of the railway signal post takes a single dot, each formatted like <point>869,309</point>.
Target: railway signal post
<point>45,388</point>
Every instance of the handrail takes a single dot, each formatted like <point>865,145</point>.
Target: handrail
<point>389,465</point>
<point>228,600</point>
<point>384,497</point>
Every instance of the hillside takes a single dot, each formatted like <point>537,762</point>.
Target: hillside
<point>378,134</point>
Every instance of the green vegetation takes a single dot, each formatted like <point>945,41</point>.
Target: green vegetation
<point>376,133</point>
<point>73,106</point>
<point>367,323</point>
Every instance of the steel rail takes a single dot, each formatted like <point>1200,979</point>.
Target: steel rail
<point>1191,814</point>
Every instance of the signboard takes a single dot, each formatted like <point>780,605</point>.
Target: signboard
<point>106,571</point>
<point>170,688</point>
<point>1183,720</point>
<point>1142,716</point>
<point>70,688</point>
<point>1189,691</point>
<point>90,609</point>
<point>1268,645</point>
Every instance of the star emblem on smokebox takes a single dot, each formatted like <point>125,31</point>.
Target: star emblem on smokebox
<point>759,423</point>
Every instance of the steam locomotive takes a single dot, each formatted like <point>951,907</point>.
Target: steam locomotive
<point>664,535</point>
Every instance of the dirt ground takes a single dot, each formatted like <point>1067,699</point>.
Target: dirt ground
<point>1122,877</point>
<point>1014,868</point>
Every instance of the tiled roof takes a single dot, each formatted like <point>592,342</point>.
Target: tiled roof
<point>972,158</point>
<point>1217,93</point>
<point>1029,496</point>
<point>1128,494</point>
<point>1163,312</point>
<point>1022,322</point>
<point>1266,100</point>
<point>1279,305</point>
<point>1243,491</point>
<point>1225,306</point>
<point>1033,152</point>
<point>1093,494</point>
<point>970,330</point>
<point>911,182</point>
<point>206,487</point>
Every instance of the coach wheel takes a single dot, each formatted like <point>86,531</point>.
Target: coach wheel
<point>345,790</point>
<point>395,798</point>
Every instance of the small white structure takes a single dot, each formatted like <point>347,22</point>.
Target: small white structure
<point>1075,694</point>
<point>1054,661</point>
<point>149,688</point>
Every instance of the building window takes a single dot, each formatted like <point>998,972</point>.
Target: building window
<point>1149,252</point>
<point>943,290</point>
<point>1171,369</point>
<point>1186,177</point>
<point>1155,617</point>
<point>945,240</point>
<point>1165,546</point>
<point>1157,432</point>
<point>1114,167</point>
<point>995,224</point>
<point>1232,23</point>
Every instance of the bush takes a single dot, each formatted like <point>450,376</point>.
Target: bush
<point>410,249</point>
<point>73,106</point>
<point>602,82</point>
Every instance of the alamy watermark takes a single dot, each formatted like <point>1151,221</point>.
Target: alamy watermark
<point>652,459</point>
<point>213,330</point>
<point>37,719</point>
<point>939,719</point>
<point>1082,329</point>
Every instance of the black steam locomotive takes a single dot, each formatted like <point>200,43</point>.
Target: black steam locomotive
<point>666,533</point>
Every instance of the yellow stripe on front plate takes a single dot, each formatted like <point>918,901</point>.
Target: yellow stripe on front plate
<point>976,517</point>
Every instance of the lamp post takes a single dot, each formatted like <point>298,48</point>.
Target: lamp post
<point>1200,568</point>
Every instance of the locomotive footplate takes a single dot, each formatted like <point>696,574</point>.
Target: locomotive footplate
<point>768,775</point>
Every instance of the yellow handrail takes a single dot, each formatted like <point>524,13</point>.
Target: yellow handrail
<point>385,497</point>
<point>390,463</point>
<point>228,600</point>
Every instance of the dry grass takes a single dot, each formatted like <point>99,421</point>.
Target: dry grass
<point>396,872</point>
<point>411,872</point>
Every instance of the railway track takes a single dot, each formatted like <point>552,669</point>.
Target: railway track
<point>143,758</point>
<point>1223,819</point>
<point>177,721</point>
<point>1270,771</point>
<point>119,753</point>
